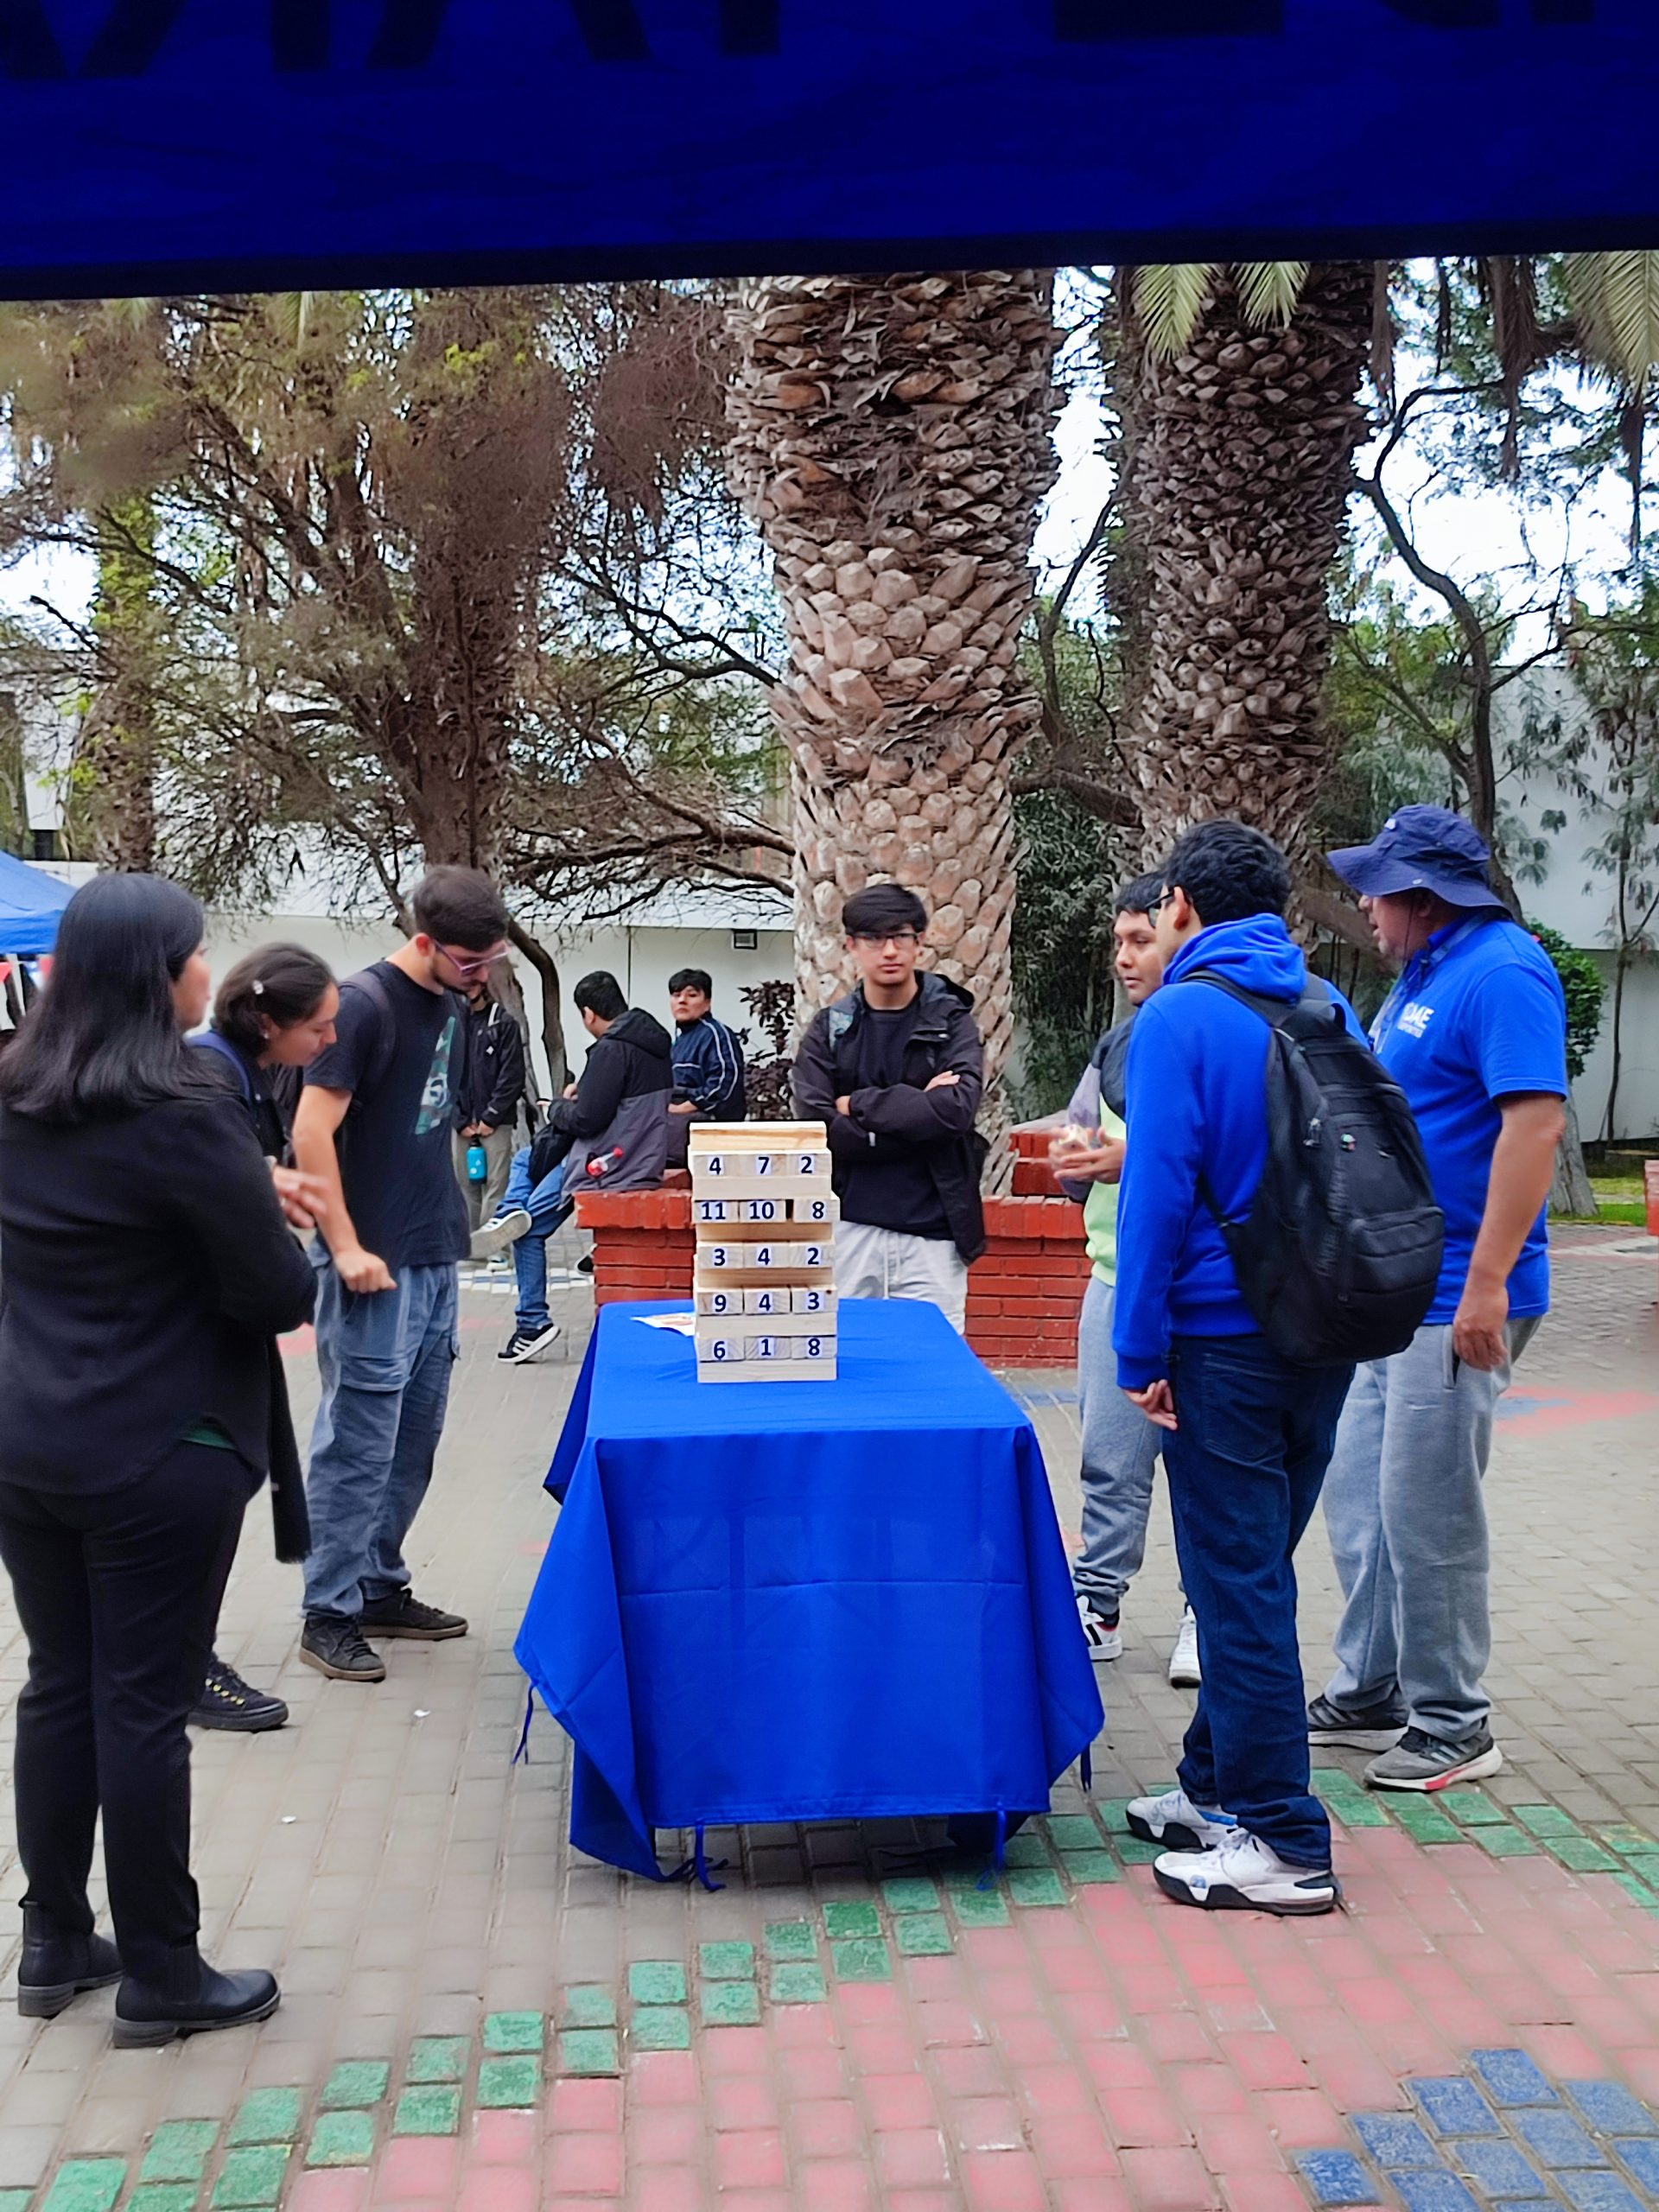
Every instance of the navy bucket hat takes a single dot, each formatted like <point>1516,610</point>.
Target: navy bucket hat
<point>1421,849</point>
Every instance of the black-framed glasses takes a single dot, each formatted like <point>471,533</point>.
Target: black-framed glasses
<point>1161,901</point>
<point>878,940</point>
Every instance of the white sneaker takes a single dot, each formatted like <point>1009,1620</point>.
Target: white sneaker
<point>1243,1873</point>
<point>1104,1637</point>
<point>1175,1819</point>
<point>495,1236</point>
<point>1184,1672</point>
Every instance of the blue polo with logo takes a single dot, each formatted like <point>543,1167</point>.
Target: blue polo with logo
<point>1478,1015</point>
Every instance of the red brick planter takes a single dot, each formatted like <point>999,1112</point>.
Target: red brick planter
<point>1023,1296</point>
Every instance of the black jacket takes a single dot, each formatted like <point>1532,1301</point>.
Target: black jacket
<point>622,1103</point>
<point>144,1268</point>
<point>492,1086</point>
<point>940,1124</point>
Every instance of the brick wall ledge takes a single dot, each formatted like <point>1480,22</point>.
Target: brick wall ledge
<point>1023,1294</point>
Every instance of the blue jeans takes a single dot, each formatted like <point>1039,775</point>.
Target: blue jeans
<point>1245,1467</point>
<point>549,1210</point>
<point>385,1361</point>
<point>1119,1454</point>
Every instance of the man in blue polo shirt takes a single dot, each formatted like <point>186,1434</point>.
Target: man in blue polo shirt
<point>1475,1034</point>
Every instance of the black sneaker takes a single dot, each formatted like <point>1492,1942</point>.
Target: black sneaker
<point>402,1614</point>
<point>1338,1727</point>
<point>335,1647</point>
<point>585,1264</point>
<point>526,1344</point>
<point>226,1701</point>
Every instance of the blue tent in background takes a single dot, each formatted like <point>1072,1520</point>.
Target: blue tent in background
<point>31,904</point>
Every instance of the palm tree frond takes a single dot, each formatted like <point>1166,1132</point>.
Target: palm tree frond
<point>1268,291</point>
<point>1616,300</point>
<point>1169,297</point>
<point>291,314</point>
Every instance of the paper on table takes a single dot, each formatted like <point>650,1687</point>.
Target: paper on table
<point>684,1324</point>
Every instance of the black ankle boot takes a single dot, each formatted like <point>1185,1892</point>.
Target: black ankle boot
<point>55,1967</point>
<point>145,2015</point>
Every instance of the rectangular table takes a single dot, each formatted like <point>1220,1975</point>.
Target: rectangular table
<point>802,1600</point>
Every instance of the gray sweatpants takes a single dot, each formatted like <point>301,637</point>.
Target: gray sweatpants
<point>1119,1454</point>
<point>1408,1523</point>
<point>886,1263</point>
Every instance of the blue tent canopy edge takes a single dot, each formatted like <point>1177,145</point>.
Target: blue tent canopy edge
<point>31,906</point>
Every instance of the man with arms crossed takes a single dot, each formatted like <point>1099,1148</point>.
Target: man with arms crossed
<point>374,1127</point>
<point>1475,1034</point>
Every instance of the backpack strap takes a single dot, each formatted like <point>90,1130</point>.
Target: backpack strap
<point>209,1040</point>
<point>1318,995</point>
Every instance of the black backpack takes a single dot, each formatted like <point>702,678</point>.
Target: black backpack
<point>1339,1253</point>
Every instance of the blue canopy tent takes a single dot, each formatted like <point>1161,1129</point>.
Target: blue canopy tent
<point>169,145</point>
<point>31,906</point>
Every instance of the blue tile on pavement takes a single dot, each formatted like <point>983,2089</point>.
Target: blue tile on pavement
<point>1642,2159</point>
<point>1610,2108</point>
<point>1557,2139</point>
<point>1600,2193</point>
<point>1454,2106</point>
<point>1498,2167</point>
<point>1393,2139</point>
<point>1337,2177</point>
<point>1426,2192</point>
<point>1513,2079</point>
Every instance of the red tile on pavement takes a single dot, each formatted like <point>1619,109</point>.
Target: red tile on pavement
<point>344,2191</point>
<point>505,2139</point>
<point>944,2022</point>
<point>500,2189</point>
<point>898,2101</point>
<point>1208,2088</point>
<point>1029,2039</point>
<point>969,2070</point>
<point>1118,2066</point>
<point>826,2127</point>
<point>1302,2120</point>
<point>1010,1991</point>
<point>750,2157</point>
<point>1091,2016</point>
<point>1173,2036</point>
<point>1232,2142</point>
<point>836,2185</point>
<point>1052,2092</point>
<point>1002,2181</point>
<point>1090,2196</point>
<point>808,2073</point>
<point>1261,2193</point>
<point>1266,2061</point>
<point>1169,2181</point>
<point>1072,2146</point>
<point>1145,2118</point>
<point>735,2050</point>
<point>804,2027</point>
<point>868,2000</point>
<point>664,2189</point>
<point>594,2105</point>
<point>417,2169</point>
<point>663,2077</point>
<point>911,2158</point>
<point>880,2047</point>
<point>743,2101</point>
<point>985,2124</point>
<point>590,2166</point>
<point>661,2135</point>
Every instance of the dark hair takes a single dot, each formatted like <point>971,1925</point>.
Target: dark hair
<point>1139,897</point>
<point>691,979</point>
<point>105,1037</point>
<point>459,906</point>
<point>1228,872</point>
<point>601,993</point>
<point>882,908</point>
<point>282,982</point>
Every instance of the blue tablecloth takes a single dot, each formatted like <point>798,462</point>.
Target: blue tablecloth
<point>777,1601</point>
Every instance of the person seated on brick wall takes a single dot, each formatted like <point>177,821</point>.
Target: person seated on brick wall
<point>1120,1445</point>
<point>895,1072</point>
<point>708,1084</point>
<point>609,1131</point>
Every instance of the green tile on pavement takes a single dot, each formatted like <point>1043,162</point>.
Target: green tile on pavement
<point>1115,1813</point>
<point>427,2112</point>
<point>1647,1898</point>
<point>1473,1807</point>
<point>513,2032</point>
<point>155,2196</point>
<point>85,2185</point>
<point>1035,1885</point>
<point>1073,1832</point>
<point>852,1920</point>
<point>796,1982</point>
<point>1646,1864</point>
<point>436,2058</point>
<point>267,2116</point>
<point>1549,1821</point>
<point>1620,1836</point>
<point>589,2005</point>
<point>1582,1855</point>
<point>1506,1843</point>
<point>657,1981</point>
<point>16,2200</point>
<point>922,1935</point>
<point>1026,1849</point>
<point>589,2051</point>
<point>731,2004</point>
<point>341,2138</point>
<point>251,2178</point>
<point>726,1961</point>
<point>1421,1818</point>
<point>178,2151</point>
<point>977,1908</point>
<point>1134,1853</point>
<point>511,2084</point>
<point>1085,1867</point>
<point>792,1939</point>
<point>356,2082</point>
<point>660,2027</point>
<point>911,1893</point>
<point>1346,1800</point>
<point>862,1958</point>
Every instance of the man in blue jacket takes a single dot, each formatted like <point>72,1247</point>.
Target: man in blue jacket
<point>1248,1435</point>
<point>707,1062</point>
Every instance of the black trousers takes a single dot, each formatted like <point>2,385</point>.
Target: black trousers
<point>118,1595</point>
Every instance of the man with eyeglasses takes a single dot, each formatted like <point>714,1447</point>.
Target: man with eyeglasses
<point>373,1125</point>
<point>895,1072</point>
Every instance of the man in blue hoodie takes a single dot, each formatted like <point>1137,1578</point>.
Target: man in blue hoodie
<point>1248,1435</point>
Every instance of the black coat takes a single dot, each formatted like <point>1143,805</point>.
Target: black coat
<point>492,1084</point>
<point>940,1124</point>
<point>145,1267</point>
<point>621,1104</point>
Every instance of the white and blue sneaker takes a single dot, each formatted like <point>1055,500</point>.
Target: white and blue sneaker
<point>1175,1821</point>
<point>1244,1874</point>
<point>1102,1632</point>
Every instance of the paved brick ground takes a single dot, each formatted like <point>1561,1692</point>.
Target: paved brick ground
<point>474,2018</point>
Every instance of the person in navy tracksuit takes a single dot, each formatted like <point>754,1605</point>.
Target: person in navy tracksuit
<point>708,1063</point>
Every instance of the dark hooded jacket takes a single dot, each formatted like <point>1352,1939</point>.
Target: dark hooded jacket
<point>902,1119</point>
<point>622,1103</point>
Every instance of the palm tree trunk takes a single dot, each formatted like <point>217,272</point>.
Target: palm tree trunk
<point>1237,468</point>
<point>893,438</point>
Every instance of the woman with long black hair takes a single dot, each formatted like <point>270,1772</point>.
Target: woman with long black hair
<point>144,1266</point>
<point>272,1016</point>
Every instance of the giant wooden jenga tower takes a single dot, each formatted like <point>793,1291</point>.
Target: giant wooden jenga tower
<point>765,1281</point>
